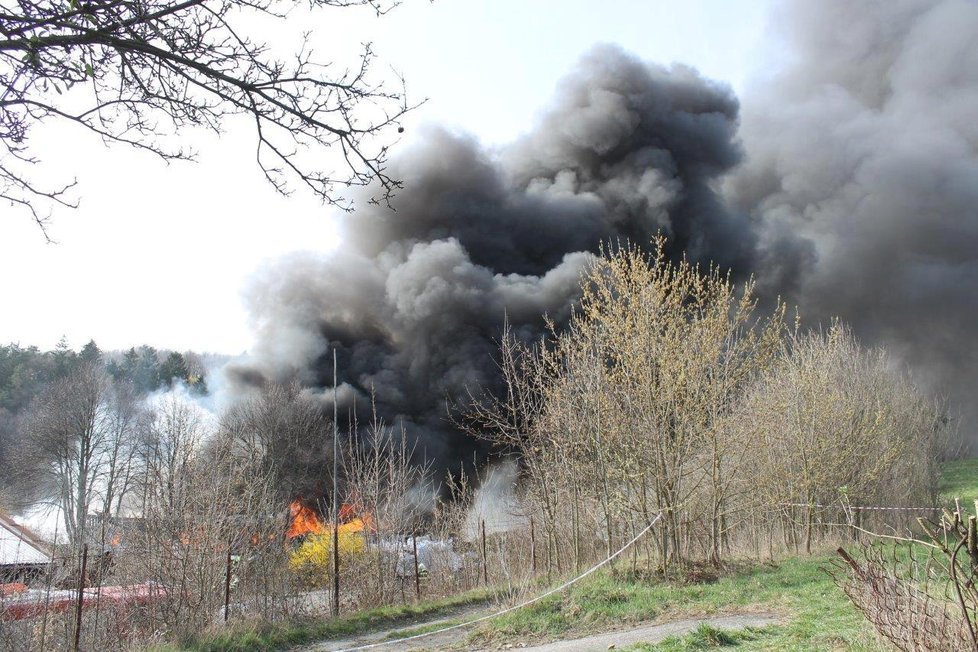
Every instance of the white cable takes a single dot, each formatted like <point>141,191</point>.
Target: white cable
<point>508,609</point>
<point>866,507</point>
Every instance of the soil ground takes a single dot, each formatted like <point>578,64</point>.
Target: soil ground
<point>649,633</point>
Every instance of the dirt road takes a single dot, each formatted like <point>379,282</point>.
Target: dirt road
<point>651,633</point>
<point>654,633</point>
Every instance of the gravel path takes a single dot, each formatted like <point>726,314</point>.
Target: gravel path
<point>434,641</point>
<point>652,633</point>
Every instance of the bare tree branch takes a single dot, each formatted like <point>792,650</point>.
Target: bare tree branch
<point>137,72</point>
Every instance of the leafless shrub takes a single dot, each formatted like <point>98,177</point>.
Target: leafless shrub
<point>625,413</point>
<point>919,594</point>
<point>834,423</point>
<point>671,391</point>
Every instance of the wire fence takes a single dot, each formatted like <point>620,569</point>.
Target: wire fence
<point>119,591</point>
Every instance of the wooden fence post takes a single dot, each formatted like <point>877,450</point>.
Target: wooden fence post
<point>485,559</point>
<point>81,596</point>
<point>417,574</point>
<point>533,548</point>
<point>227,584</point>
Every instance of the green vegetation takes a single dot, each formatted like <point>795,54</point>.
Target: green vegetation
<point>704,638</point>
<point>817,616</point>
<point>960,480</point>
<point>25,371</point>
<point>279,636</point>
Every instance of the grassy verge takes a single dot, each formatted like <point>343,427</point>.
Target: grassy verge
<point>959,479</point>
<point>703,638</point>
<point>817,616</point>
<point>262,637</point>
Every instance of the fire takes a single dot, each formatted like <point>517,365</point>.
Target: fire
<point>306,521</point>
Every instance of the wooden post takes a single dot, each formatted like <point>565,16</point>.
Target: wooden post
<point>81,597</point>
<point>550,562</point>
<point>336,507</point>
<point>485,559</point>
<point>576,518</point>
<point>533,548</point>
<point>809,523</point>
<point>417,573</point>
<point>755,535</point>
<point>227,584</point>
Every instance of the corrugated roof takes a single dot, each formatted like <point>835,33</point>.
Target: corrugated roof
<point>19,546</point>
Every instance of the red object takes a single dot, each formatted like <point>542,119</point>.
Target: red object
<point>13,588</point>
<point>34,602</point>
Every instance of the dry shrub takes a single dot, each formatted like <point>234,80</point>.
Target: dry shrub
<point>312,561</point>
<point>919,594</point>
<point>672,391</point>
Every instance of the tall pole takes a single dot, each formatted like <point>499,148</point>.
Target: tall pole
<point>485,558</point>
<point>227,585</point>
<point>417,571</point>
<point>336,509</point>
<point>81,598</point>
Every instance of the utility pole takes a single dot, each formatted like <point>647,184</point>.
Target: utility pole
<point>336,508</point>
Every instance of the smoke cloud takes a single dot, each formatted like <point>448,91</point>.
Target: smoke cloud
<point>862,177</point>
<point>416,299</point>
<point>850,188</point>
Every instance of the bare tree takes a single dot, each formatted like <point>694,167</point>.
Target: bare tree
<point>167,452</point>
<point>202,503</point>
<point>834,422</point>
<point>519,423</point>
<point>391,493</point>
<point>80,438</point>
<point>288,434</point>
<point>660,351</point>
<point>627,409</point>
<point>135,71</point>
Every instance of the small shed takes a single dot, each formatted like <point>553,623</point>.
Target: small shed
<point>24,556</point>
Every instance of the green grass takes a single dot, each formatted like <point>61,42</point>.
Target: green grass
<point>703,638</point>
<point>265,637</point>
<point>816,615</point>
<point>959,479</point>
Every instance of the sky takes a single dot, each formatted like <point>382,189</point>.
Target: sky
<point>160,253</point>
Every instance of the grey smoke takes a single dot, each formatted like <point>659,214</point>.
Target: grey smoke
<point>416,299</point>
<point>849,186</point>
<point>862,177</point>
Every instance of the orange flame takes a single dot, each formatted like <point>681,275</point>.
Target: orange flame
<point>306,521</point>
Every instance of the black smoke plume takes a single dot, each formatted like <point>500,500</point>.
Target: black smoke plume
<point>415,300</point>
<point>851,188</point>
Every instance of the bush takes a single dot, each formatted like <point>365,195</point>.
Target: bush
<point>313,560</point>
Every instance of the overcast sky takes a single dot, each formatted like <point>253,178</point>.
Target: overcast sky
<point>159,254</point>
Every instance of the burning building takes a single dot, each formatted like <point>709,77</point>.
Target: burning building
<point>305,521</point>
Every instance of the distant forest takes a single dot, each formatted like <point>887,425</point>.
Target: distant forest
<point>25,372</point>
